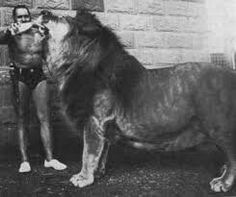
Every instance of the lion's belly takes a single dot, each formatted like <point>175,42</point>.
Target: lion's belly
<point>176,135</point>
<point>148,123</point>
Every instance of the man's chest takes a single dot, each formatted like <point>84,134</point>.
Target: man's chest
<point>29,41</point>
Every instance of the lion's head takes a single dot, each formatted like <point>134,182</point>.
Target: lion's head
<point>68,38</point>
<point>76,40</point>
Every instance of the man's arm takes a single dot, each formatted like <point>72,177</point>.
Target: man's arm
<point>15,28</point>
<point>5,35</point>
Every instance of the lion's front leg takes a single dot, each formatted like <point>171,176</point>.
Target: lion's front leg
<point>94,147</point>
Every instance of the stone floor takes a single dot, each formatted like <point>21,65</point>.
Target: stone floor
<point>129,173</point>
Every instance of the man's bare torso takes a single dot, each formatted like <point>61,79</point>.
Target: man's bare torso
<point>26,49</point>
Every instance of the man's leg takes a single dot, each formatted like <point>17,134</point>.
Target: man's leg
<point>40,97</point>
<point>23,109</point>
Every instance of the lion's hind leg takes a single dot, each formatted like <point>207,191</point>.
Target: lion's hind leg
<point>101,169</point>
<point>226,180</point>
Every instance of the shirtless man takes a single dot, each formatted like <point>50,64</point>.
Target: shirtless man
<point>25,50</point>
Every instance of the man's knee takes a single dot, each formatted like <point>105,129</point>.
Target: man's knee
<point>43,116</point>
<point>22,112</point>
<point>41,88</point>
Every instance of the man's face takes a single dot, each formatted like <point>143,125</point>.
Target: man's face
<point>22,15</point>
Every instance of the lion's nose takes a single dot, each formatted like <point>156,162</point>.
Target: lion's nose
<point>45,13</point>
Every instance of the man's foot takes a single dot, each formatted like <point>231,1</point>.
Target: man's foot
<point>55,164</point>
<point>24,167</point>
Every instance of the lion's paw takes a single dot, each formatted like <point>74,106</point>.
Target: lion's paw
<point>219,185</point>
<point>81,180</point>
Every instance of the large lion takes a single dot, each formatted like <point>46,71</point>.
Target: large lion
<point>109,94</point>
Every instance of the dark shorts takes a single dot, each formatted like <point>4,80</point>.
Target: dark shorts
<point>29,76</point>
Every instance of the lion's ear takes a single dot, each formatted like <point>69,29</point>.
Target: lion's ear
<point>90,29</point>
<point>88,23</point>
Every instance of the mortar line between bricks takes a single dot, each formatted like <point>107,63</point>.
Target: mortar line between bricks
<point>160,31</point>
<point>1,15</point>
<point>105,5</point>
<point>70,4</point>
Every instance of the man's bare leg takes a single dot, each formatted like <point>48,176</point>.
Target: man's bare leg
<point>23,108</point>
<point>40,96</point>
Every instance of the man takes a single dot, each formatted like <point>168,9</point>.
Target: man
<point>26,54</point>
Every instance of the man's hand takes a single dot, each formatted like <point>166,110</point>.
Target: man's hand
<point>16,28</point>
<point>13,28</point>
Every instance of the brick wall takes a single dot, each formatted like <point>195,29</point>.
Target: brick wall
<point>157,32</point>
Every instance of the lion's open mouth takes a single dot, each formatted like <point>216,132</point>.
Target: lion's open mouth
<point>41,28</point>
<point>44,30</point>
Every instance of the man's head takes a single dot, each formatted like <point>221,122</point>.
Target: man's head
<point>21,14</point>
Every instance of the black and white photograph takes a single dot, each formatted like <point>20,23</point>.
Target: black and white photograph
<point>118,98</point>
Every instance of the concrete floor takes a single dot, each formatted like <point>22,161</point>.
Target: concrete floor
<point>129,173</point>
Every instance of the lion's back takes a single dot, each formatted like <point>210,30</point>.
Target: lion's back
<point>166,100</point>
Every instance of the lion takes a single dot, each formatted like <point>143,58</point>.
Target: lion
<point>111,96</point>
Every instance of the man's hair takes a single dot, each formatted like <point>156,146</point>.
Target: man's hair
<point>18,7</point>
